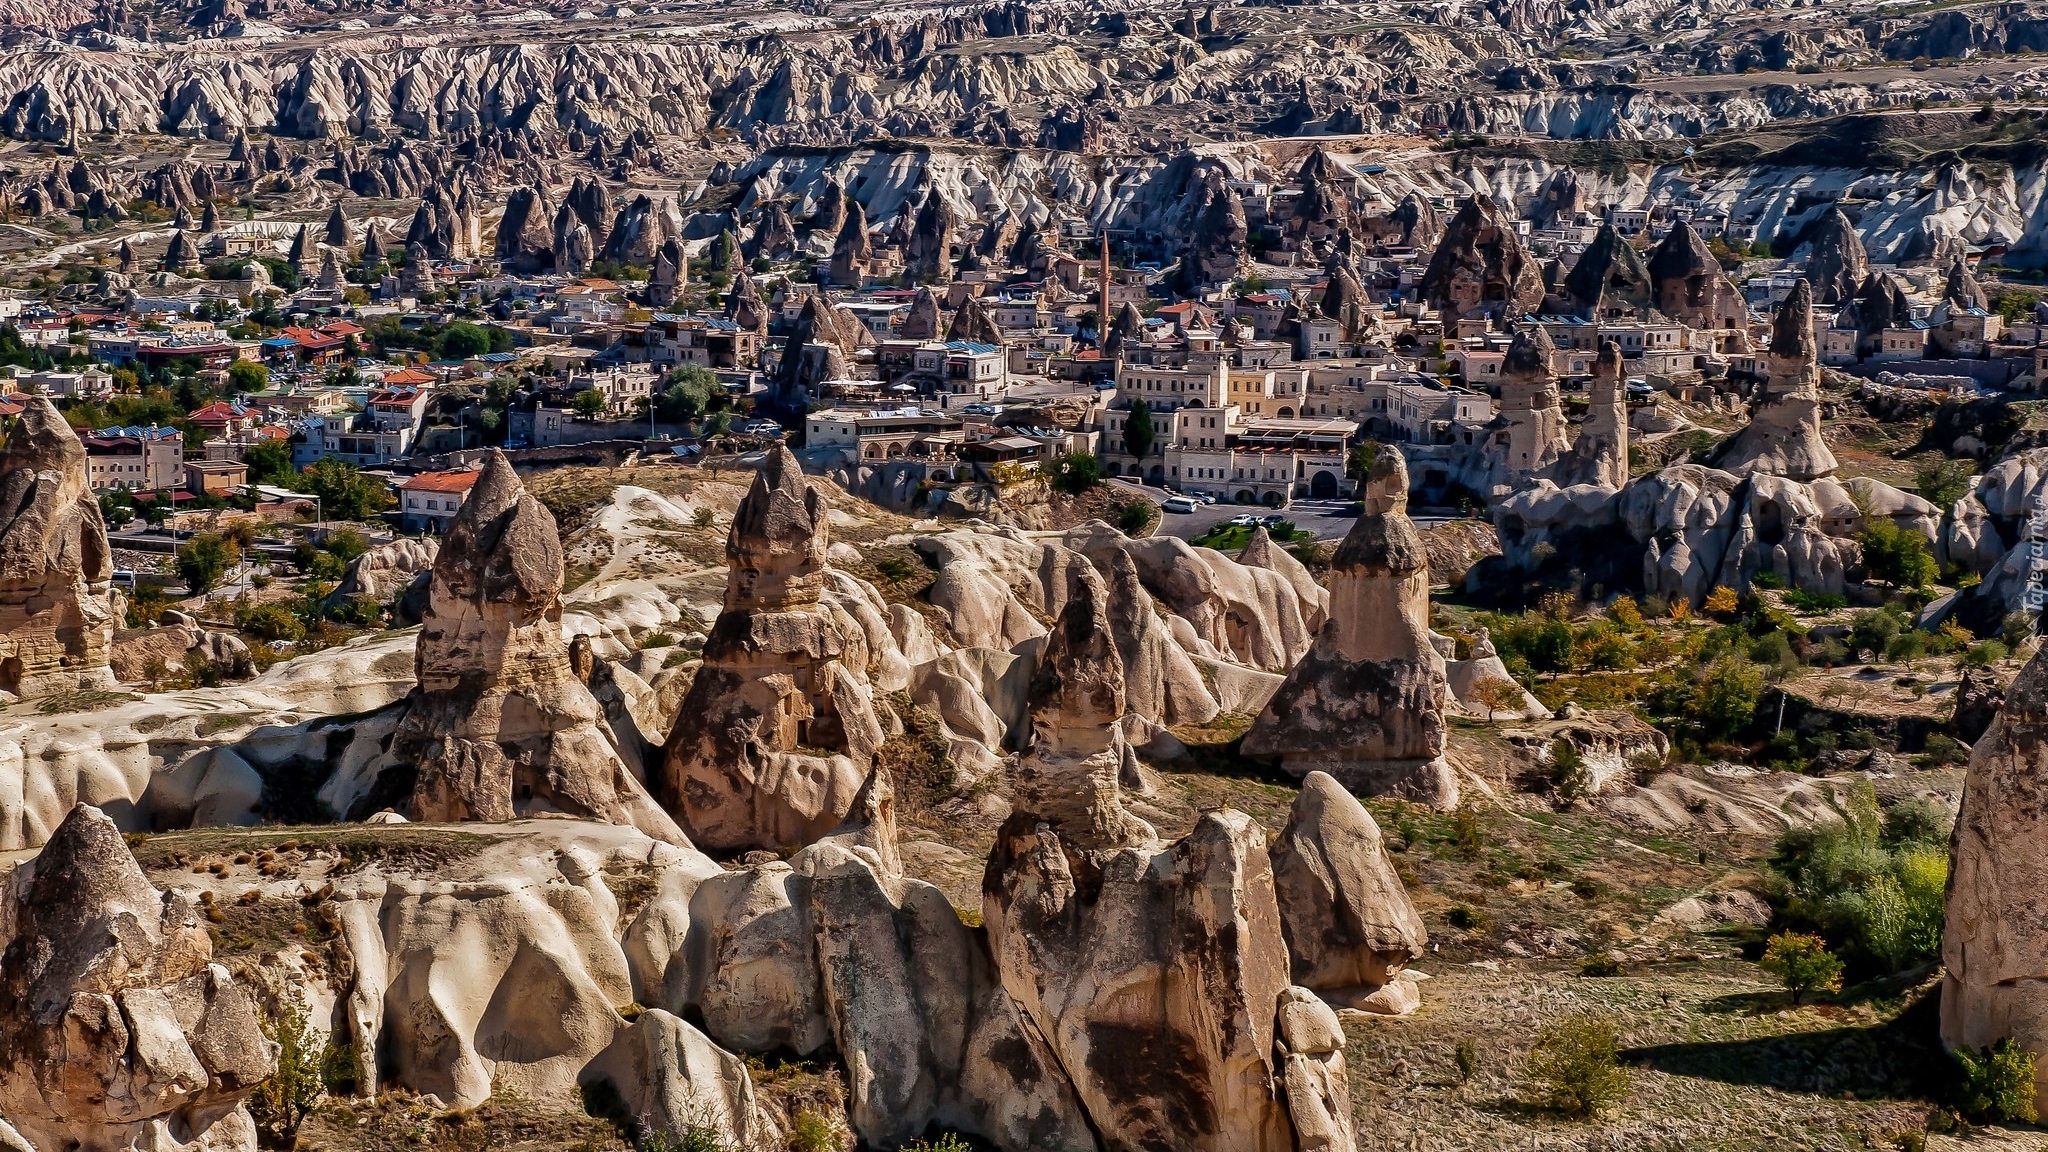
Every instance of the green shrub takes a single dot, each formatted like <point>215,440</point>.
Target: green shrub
<point>1601,964</point>
<point>1466,919</point>
<point>1997,1083</point>
<point>1803,963</point>
<point>896,568</point>
<point>282,1103</point>
<point>1137,517</point>
<point>657,640</point>
<point>273,622</point>
<point>1568,771</point>
<point>1872,885</point>
<point>1573,1068</point>
<point>346,544</point>
<point>947,1142</point>
<point>1466,1058</point>
<point>204,559</point>
<point>813,1132</point>
<point>1468,840</point>
<point>1985,654</point>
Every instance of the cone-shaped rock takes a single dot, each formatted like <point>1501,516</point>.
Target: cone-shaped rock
<point>775,739</point>
<point>1783,436</point>
<point>115,1025</point>
<point>1350,926</point>
<point>500,725</point>
<point>1994,943</point>
<point>1481,266</point>
<point>1366,703</point>
<point>56,620</point>
<point>1839,265</point>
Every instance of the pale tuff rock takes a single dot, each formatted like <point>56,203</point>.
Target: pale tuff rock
<point>1690,286</point>
<point>774,740</point>
<point>829,949</point>
<point>1838,265</point>
<point>1312,1073</point>
<point>1217,252</point>
<point>924,321</point>
<point>1609,280</point>
<point>500,725</point>
<point>1366,703</point>
<point>851,250</point>
<point>671,1078</point>
<point>669,273</point>
<point>56,619</point>
<point>1070,774</point>
<point>1183,1056</point>
<point>1600,454</point>
<point>1348,921</point>
<point>1994,945</point>
<point>826,337</point>
<point>1531,404</point>
<point>1783,436</point>
<point>1237,612</point>
<point>1261,552</point>
<point>116,1029</point>
<point>1485,664</point>
<point>182,256</point>
<point>339,233</point>
<point>975,322</point>
<point>928,256</point>
<point>1161,682</point>
<point>503,966</point>
<point>1480,266</point>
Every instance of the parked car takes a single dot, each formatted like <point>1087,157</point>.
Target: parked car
<point>1178,504</point>
<point>981,410</point>
<point>1207,497</point>
<point>1244,521</point>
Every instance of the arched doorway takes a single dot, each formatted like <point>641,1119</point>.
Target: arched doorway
<point>1272,500</point>
<point>1157,475</point>
<point>1245,497</point>
<point>1323,485</point>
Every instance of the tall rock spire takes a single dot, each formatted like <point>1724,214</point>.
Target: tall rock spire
<point>1366,703</point>
<point>500,725</point>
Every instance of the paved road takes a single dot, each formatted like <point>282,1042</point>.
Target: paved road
<point>1326,519</point>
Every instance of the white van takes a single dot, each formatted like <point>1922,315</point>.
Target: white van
<point>1178,504</point>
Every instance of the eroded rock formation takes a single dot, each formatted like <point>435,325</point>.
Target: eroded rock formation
<point>1994,943</point>
<point>500,725</point>
<point>1783,436</point>
<point>775,738</point>
<point>1366,703</point>
<point>1480,266</point>
<point>56,620</point>
<point>116,1028</point>
<point>1350,926</point>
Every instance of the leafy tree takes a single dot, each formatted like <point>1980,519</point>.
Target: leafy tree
<point>248,376</point>
<point>1997,1082</point>
<point>272,621</point>
<point>1897,557</point>
<point>284,1101</point>
<point>461,340</point>
<point>686,393</point>
<point>1358,464</point>
<point>1495,693</point>
<point>204,559</point>
<point>1803,963</point>
<point>590,404</point>
<point>1944,482</point>
<point>1076,472</point>
<point>1573,1066</point>
<point>269,462</point>
<point>344,492</point>
<point>1139,434</point>
<point>346,544</point>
